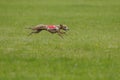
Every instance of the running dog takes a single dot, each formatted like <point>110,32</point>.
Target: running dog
<point>50,28</point>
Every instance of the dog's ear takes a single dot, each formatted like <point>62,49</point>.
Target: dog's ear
<point>61,25</point>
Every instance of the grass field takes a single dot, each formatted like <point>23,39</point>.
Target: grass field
<point>89,51</point>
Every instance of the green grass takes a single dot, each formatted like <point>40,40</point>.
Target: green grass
<point>90,50</point>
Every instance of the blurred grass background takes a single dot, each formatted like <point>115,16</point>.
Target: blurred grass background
<point>90,49</point>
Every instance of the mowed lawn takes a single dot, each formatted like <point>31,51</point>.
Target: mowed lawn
<point>89,51</point>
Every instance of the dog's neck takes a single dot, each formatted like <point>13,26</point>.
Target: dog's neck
<point>60,27</point>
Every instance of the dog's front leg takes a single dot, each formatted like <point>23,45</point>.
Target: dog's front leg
<point>60,36</point>
<point>59,33</point>
<point>62,32</point>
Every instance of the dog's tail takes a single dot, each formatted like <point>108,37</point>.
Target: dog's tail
<point>28,28</point>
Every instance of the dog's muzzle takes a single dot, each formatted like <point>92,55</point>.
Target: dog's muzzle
<point>66,29</point>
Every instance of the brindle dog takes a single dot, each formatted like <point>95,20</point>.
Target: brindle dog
<point>50,28</point>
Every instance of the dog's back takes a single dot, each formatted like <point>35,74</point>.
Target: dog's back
<point>37,27</point>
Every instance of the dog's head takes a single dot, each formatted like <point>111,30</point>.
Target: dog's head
<point>64,27</point>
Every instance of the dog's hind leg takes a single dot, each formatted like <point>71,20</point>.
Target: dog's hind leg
<point>28,28</point>
<point>34,32</point>
<point>31,33</point>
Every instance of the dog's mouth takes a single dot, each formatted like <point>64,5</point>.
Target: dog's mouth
<point>66,29</point>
